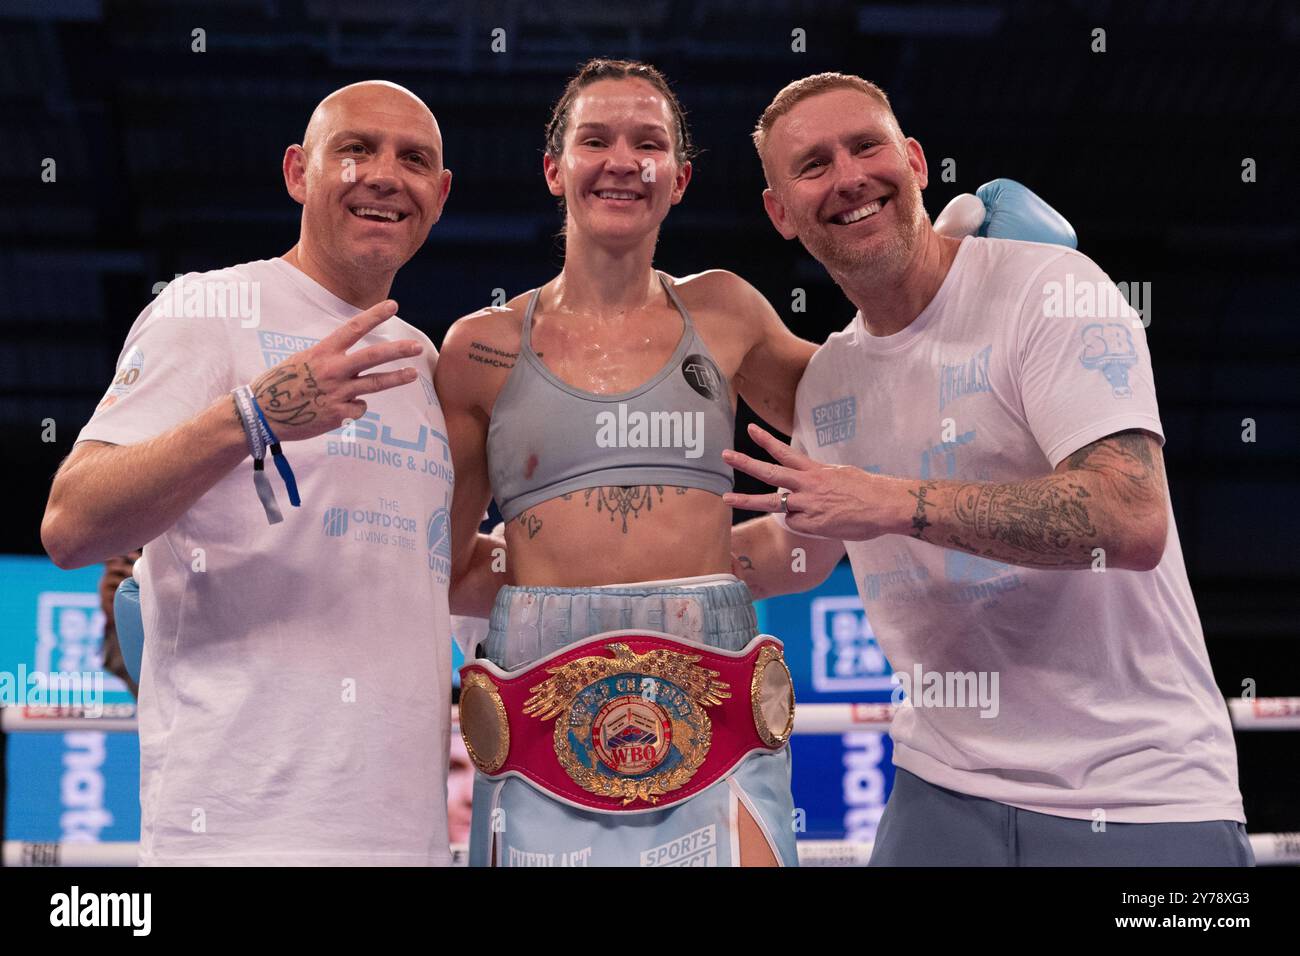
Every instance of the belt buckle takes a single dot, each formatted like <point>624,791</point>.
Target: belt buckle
<point>631,726</point>
<point>636,716</point>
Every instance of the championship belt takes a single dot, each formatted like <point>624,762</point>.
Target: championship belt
<point>629,720</point>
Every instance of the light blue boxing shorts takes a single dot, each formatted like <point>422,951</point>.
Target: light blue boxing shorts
<point>627,725</point>
<point>130,625</point>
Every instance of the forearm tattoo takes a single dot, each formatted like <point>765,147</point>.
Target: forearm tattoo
<point>288,394</point>
<point>919,521</point>
<point>1045,516</point>
<point>1126,455</point>
<point>1054,521</point>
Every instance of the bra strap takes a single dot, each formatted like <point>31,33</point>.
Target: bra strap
<point>526,340</point>
<point>672,295</point>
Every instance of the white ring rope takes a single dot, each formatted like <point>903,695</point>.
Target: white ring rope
<point>1265,713</point>
<point>1248,713</point>
<point>111,718</point>
<point>1271,849</point>
<point>1260,713</point>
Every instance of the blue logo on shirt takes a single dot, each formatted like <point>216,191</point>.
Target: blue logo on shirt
<point>941,460</point>
<point>335,522</point>
<point>368,439</point>
<point>438,533</point>
<point>437,536</point>
<point>278,346</point>
<point>1110,347</point>
<point>835,421</point>
<point>430,395</point>
<point>967,378</point>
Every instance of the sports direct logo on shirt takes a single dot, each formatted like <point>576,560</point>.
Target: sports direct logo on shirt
<point>697,848</point>
<point>278,346</point>
<point>835,421</point>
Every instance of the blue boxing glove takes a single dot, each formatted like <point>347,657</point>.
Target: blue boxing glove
<point>130,625</point>
<point>1004,209</point>
<point>1015,212</point>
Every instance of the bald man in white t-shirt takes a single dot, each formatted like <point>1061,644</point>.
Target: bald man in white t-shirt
<point>984,439</point>
<point>295,684</point>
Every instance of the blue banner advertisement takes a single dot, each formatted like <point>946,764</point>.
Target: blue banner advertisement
<point>67,787</point>
<point>84,785</point>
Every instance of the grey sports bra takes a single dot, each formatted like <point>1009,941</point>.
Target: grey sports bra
<point>547,438</point>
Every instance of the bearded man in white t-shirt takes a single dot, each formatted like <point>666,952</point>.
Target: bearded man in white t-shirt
<point>295,683</point>
<point>984,439</point>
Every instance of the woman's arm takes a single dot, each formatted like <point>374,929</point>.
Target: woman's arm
<point>774,357</point>
<point>462,388</point>
<point>773,560</point>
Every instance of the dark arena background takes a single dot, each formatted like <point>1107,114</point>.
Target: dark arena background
<point>1168,139</point>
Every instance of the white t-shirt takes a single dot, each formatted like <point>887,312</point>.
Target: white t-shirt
<point>295,693</point>
<point>1104,697</point>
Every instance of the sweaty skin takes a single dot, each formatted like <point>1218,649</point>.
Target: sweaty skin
<point>612,534</point>
<point>605,325</point>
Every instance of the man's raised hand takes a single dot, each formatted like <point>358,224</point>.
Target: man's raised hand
<point>832,501</point>
<point>314,391</point>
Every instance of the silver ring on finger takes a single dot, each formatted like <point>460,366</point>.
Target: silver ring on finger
<point>785,502</point>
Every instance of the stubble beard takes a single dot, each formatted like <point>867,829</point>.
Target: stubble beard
<point>367,261</point>
<point>378,262</point>
<point>885,258</point>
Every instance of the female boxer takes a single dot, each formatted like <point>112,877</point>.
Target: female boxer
<point>595,410</point>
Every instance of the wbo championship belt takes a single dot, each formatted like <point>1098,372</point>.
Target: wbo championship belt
<point>629,720</point>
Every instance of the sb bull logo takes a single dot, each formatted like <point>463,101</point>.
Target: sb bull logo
<point>1109,347</point>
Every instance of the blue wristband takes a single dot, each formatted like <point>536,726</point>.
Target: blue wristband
<point>281,462</point>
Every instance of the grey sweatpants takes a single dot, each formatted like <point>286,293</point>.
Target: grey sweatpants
<point>926,825</point>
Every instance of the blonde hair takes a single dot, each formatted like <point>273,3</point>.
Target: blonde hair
<point>800,90</point>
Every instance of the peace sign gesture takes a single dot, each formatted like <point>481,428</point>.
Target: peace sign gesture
<point>833,501</point>
<point>315,390</point>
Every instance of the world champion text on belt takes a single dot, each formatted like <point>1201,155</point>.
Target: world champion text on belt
<point>627,721</point>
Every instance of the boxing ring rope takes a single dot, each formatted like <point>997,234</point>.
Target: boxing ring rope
<point>113,718</point>
<point>1260,713</point>
<point>1248,713</point>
